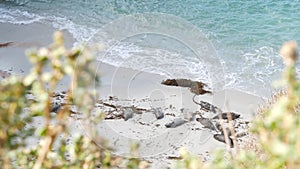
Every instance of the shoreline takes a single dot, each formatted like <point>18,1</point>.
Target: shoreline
<point>135,88</point>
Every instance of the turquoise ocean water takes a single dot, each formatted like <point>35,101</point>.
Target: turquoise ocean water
<point>245,34</point>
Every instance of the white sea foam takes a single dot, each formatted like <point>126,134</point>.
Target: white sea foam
<point>248,70</point>
<point>158,61</point>
<point>246,73</point>
<point>16,16</point>
<point>81,33</point>
<point>254,71</point>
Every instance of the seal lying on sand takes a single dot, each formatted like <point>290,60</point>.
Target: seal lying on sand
<point>221,138</point>
<point>177,122</point>
<point>219,127</point>
<point>195,86</point>
<point>206,123</point>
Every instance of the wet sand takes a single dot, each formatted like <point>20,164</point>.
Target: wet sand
<point>135,88</point>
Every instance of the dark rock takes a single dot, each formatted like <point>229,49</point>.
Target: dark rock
<point>177,122</point>
<point>221,138</point>
<point>6,44</point>
<point>159,114</point>
<point>224,116</point>
<point>4,74</point>
<point>218,126</point>
<point>242,134</point>
<point>206,123</point>
<point>55,107</point>
<point>174,158</point>
<point>171,114</point>
<point>128,113</point>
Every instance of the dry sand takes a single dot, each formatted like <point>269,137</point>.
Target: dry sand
<point>134,88</point>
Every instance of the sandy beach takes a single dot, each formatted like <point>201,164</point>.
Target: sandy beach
<point>128,87</point>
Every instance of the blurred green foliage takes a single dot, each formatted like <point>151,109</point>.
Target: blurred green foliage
<point>23,99</point>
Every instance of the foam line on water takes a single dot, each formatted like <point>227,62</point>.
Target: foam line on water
<point>157,61</point>
<point>81,33</point>
<point>258,67</point>
<point>16,16</point>
<point>248,70</point>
